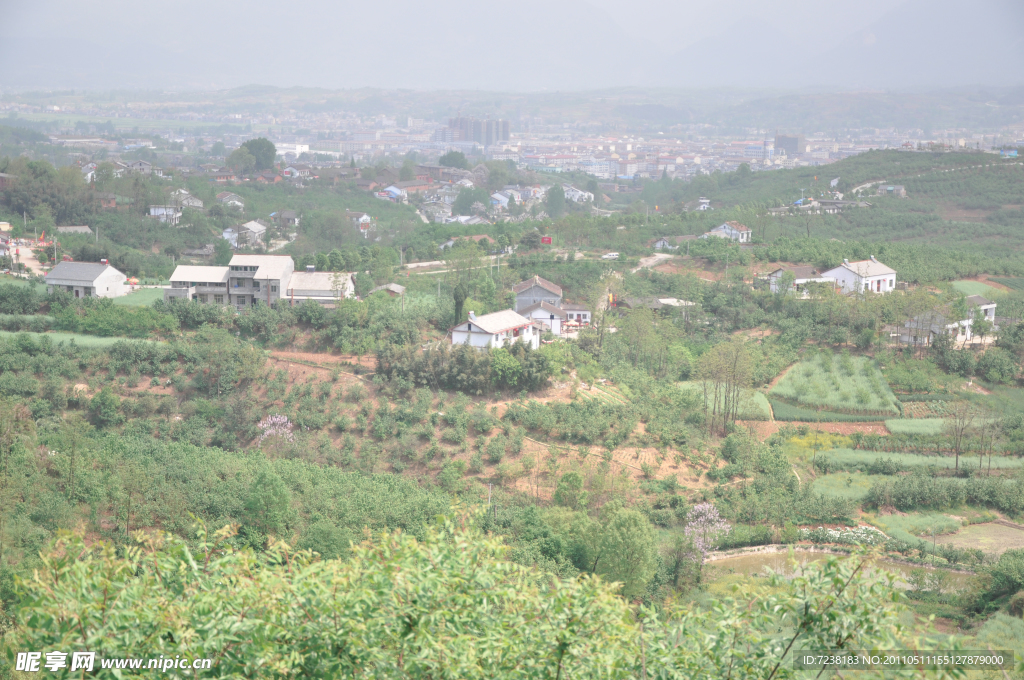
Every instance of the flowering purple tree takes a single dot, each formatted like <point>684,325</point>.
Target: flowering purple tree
<point>275,425</point>
<point>704,527</point>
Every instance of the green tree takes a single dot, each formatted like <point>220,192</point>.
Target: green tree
<point>241,161</point>
<point>267,505</point>
<point>570,492</point>
<point>221,251</point>
<point>263,152</point>
<point>105,408</point>
<point>627,552</point>
<point>555,201</point>
<point>447,616</point>
<point>454,159</point>
<point>467,197</point>
<point>505,368</point>
<point>218,149</point>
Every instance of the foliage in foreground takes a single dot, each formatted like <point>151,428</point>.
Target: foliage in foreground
<point>446,607</point>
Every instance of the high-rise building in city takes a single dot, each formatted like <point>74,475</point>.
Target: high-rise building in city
<point>486,132</point>
<point>790,145</point>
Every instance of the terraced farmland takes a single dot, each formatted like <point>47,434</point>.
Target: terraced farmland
<point>835,385</point>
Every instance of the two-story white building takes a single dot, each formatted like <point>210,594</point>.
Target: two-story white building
<point>496,330</point>
<point>86,279</point>
<point>196,282</point>
<point>246,281</point>
<point>868,276</point>
<point>548,316</point>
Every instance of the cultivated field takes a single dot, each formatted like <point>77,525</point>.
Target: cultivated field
<point>849,459</point>
<point>837,383</point>
<point>915,425</point>
<point>975,288</point>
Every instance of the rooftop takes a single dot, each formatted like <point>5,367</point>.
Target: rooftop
<point>200,274</point>
<point>392,287</point>
<point>320,281</point>
<point>870,267</point>
<point>546,306</point>
<point>536,281</point>
<point>799,272</point>
<point>978,301</point>
<point>269,266</point>
<point>497,322</point>
<point>84,271</point>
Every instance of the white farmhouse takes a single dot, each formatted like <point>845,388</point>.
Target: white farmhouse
<point>731,230</point>
<point>86,279</point>
<point>548,316</point>
<point>576,195</point>
<point>496,330</point>
<point>863,276</point>
<point>801,277</point>
<point>170,214</point>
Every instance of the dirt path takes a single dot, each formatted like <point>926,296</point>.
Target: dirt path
<point>652,261</point>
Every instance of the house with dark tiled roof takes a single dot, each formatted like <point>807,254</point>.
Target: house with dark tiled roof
<point>534,290</point>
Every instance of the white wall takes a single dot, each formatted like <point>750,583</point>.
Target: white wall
<point>850,282</point>
<point>555,324</point>
<point>111,283</point>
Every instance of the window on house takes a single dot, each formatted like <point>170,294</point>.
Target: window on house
<point>273,289</point>
<point>219,299</point>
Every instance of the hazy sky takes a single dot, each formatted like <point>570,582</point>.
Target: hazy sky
<point>527,45</point>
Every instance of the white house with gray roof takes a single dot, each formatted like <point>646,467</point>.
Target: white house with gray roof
<point>86,279</point>
<point>868,276</point>
<point>496,330</point>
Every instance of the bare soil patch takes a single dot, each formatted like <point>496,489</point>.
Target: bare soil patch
<point>957,214</point>
<point>762,429</point>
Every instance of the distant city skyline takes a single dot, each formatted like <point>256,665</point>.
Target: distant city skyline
<point>567,45</point>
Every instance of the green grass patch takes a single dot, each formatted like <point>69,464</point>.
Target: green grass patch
<point>1003,400</point>
<point>850,459</point>
<point>975,288</point>
<point>853,486</point>
<point>16,281</point>
<point>1015,284</point>
<point>143,297</point>
<point>753,404</point>
<point>915,426</point>
<point>80,339</point>
<point>838,383</point>
<point>1002,631</point>
<point>788,412</point>
<point>916,526</point>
